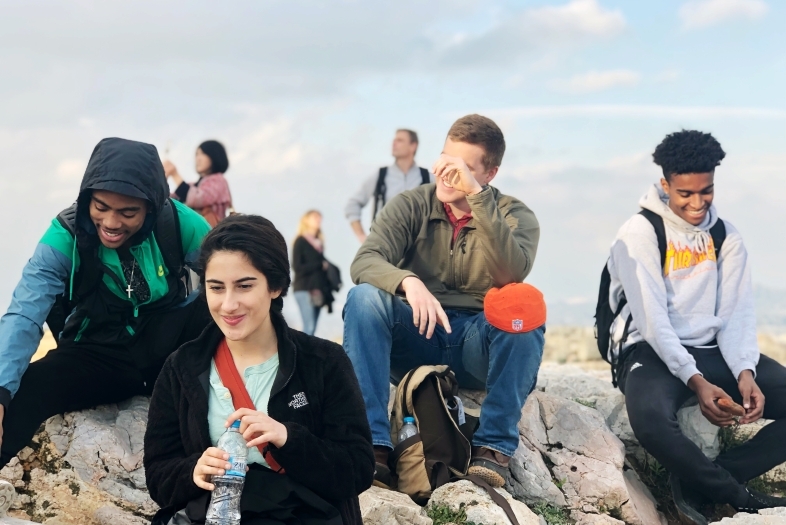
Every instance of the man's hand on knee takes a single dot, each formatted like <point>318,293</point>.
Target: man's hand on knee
<point>427,313</point>
<point>708,394</point>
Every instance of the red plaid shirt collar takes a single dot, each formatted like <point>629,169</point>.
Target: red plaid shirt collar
<point>457,223</point>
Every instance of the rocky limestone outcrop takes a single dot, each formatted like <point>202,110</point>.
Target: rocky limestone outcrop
<point>86,468</point>
<point>385,507</point>
<point>478,505</point>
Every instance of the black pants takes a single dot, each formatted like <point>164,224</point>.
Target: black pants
<point>653,396</point>
<point>76,377</point>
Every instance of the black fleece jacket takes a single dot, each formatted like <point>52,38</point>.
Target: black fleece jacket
<point>328,448</point>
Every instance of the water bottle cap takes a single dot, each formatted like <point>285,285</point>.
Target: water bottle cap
<point>409,419</point>
<point>236,424</point>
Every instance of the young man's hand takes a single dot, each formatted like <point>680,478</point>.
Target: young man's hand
<point>455,172</point>
<point>752,398</point>
<point>708,394</point>
<point>258,428</point>
<point>427,313</point>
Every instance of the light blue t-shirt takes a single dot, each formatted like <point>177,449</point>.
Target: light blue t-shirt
<point>258,380</point>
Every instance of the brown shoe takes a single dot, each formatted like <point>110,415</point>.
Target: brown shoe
<point>382,477</point>
<point>489,465</point>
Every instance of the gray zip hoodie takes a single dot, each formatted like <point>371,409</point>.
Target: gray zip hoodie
<point>693,299</point>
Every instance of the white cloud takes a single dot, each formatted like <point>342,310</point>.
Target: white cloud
<point>599,81</point>
<point>71,169</point>
<point>548,29</point>
<point>579,18</point>
<point>637,111</point>
<point>697,14</point>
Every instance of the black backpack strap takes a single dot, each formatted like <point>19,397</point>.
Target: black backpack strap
<point>168,237</point>
<point>718,233</point>
<point>379,191</point>
<point>660,232</point>
<point>67,219</point>
<point>425,176</point>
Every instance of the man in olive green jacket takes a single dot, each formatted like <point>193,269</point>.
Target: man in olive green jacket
<point>442,247</point>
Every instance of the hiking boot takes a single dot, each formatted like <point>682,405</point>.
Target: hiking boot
<point>489,465</point>
<point>686,502</point>
<point>382,477</point>
<point>758,501</point>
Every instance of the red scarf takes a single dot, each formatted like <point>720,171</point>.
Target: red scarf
<point>231,379</point>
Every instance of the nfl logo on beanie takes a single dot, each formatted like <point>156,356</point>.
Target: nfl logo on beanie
<point>515,308</point>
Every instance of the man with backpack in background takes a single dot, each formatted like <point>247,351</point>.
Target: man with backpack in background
<point>443,247</point>
<point>391,180</point>
<point>109,278</point>
<point>681,321</point>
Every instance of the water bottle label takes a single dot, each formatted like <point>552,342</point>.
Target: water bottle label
<point>238,467</point>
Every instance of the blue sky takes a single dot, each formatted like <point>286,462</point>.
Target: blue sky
<point>306,99</point>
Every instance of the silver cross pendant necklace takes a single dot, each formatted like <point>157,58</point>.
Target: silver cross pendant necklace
<point>129,289</point>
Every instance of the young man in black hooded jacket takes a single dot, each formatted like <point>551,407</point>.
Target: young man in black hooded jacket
<point>113,265</point>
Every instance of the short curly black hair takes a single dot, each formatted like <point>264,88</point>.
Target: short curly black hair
<point>688,151</point>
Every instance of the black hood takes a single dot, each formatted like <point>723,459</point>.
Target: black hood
<point>129,168</point>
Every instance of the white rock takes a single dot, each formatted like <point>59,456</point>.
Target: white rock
<point>755,519</point>
<point>106,450</point>
<point>7,494</point>
<point>582,518</point>
<point>479,506</point>
<point>110,515</point>
<point>380,506</point>
<point>529,479</point>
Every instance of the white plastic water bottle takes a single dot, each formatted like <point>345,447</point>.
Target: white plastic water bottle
<point>224,506</point>
<point>408,429</point>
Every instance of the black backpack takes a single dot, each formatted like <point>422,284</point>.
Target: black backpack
<point>381,189</point>
<point>605,316</point>
<point>167,232</point>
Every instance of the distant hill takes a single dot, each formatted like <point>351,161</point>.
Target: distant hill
<point>770,310</point>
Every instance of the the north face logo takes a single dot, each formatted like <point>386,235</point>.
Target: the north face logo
<point>298,400</point>
<point>518,325</point>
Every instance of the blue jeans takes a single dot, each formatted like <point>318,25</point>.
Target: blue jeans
<point>383,344</point>
<point>308,311</point>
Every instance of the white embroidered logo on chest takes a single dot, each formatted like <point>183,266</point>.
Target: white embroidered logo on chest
<point>298,400</point>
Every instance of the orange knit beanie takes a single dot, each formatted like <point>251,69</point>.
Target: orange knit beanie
<point>516,307</point>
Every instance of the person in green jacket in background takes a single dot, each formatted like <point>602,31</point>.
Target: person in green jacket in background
<point>110,279</point>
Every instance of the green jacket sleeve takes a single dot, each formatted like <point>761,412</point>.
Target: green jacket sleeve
<point>392,235</point>
<point>512,231</point>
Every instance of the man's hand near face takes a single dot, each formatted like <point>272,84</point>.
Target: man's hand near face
<point>427,313</point>
<point>454,171</point>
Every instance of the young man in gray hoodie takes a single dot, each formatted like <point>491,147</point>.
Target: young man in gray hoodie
<point>689,327</point>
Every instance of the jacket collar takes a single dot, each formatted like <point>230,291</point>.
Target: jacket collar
<point>194,358</point>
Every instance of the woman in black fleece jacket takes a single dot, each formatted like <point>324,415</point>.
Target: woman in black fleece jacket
<point>315,411</point>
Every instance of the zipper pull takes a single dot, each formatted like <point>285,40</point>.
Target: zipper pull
<point>451,252</point>
<point>136,311</point>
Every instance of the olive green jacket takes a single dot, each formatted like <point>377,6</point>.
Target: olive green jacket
<point>412,236</point>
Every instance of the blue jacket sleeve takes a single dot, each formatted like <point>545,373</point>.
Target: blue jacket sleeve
<point>21,328</point>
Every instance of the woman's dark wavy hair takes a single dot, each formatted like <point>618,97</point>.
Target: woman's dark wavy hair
<point>257,239</point>
<point>219,162</point>
<point>688,151</point>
